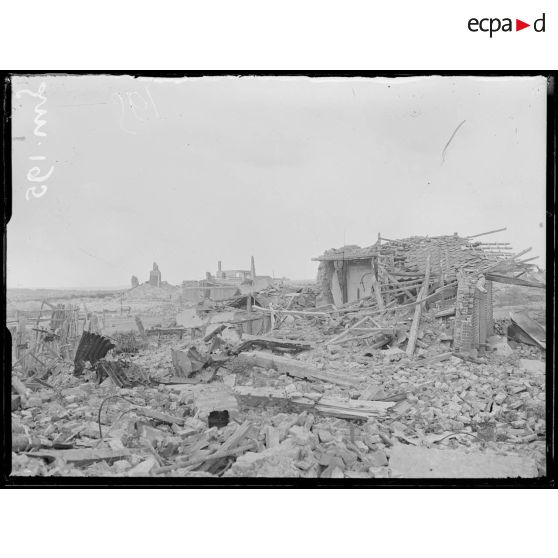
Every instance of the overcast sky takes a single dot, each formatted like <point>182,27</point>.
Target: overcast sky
<point>187,172</point>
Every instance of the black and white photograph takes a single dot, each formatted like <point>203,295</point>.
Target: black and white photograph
<point>270,278</point>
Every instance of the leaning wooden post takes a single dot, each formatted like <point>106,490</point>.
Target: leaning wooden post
<point>140,327</point>
<point>376,285</point>
<point>37,325</point>
<point>272,316</point>
<point>413,333</point>
<point>249,310</point>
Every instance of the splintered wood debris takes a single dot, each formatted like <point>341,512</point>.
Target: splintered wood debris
<point>382,386</point>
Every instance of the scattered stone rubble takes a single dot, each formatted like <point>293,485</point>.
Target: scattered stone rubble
<point>316,392</point>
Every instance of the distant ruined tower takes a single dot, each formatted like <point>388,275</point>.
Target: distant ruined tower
<point>155,276</point>
<point>252,268</point>
<point>135,282</point>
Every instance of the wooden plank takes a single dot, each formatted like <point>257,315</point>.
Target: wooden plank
<point>236,437</point>
<point>271,343</point>
<point>199,460</point>
<point>292,312</point>
<point>531,328</point>
<point>232,441</point>
<point>168,330</point>
<point>161,417</point>
<point>413,333</point>
<point>377,331</point>
<point>445,312</point>
<point>346,331</point>
<point>513,281</point>
<point>38,321</point>
<point>403,285</point>
<point>485,233</point>
<point>81,456</point>
<point>528,260</point>
<point>292,367</point>
<point>341,408</point>
<point>429,297</point>
<point>427,361</point>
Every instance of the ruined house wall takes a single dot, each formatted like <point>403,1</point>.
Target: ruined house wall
<point>155,278</point>
<point>325,276</point>
<point>358,276</point>
<point>359,280</point>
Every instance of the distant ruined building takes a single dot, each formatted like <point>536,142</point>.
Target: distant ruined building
<point>135,282</point>
<point>155,276</point>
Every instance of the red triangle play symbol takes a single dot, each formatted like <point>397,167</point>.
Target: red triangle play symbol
<point>519,25</point>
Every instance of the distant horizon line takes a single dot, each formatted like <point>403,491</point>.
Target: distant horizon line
<point>109,288</point>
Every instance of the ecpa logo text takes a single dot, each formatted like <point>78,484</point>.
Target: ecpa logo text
<point>494,24</point>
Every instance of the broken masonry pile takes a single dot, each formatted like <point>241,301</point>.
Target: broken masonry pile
<point>388,368</point>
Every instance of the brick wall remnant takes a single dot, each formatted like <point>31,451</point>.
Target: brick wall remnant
<point>474,320</point>
<point>464,313</point>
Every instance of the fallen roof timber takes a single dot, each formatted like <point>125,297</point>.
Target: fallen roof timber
<point>292,367</point>
<point>513,281</point>
<point>346,409</point>
<point>488,232</point>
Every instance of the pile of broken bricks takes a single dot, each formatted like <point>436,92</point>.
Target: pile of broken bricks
<point>290,405</point>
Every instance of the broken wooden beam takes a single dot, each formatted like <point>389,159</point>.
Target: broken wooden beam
<point>292,312</point>
<point>349,409</point>
<point>428,361</point>
<point>530,327</point>
<point>271,343</point>
<point>292,367</point>
<point>81,456</point>
<point>192,462</point>
<point>161,417</point>
<point>236,437</point>
<point>413,333</point>
<point>214,332</point>
<point>513,281</point>
<point>486,233</point>
<point>372,332</point>
<point>345,332</point>
<point>445,312</point>
<point>167,331</point>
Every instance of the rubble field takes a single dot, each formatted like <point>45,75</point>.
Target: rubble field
<point>273,384</point>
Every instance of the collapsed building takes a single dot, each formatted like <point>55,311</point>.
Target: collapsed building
<point>225,284</point>
<point>453,272</point>
<point>234,275</point>
<point>292,381</point>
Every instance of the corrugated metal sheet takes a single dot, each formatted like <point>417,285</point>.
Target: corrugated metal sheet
<point>91,348</point>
